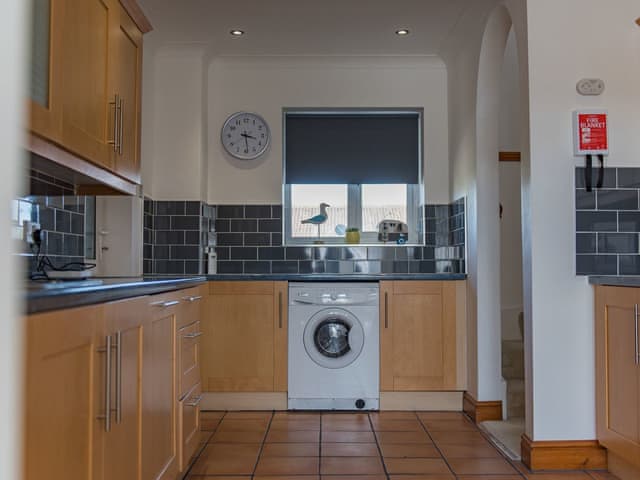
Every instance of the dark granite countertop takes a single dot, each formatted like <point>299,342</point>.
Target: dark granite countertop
<point>330,277</point>
<point>47,296</point>
<point>615,281</point>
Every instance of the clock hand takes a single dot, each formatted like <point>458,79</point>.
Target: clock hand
<point>246,142</point>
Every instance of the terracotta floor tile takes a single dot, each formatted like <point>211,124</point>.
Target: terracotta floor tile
<point>440,415</point>
<point>488,477</point>
<point>558,476</point>
<point>204,436</point>
<point>237,437</point>
<point>295,424</point>
<point>248,415</point>
<point>598,475</point>
<point>226,460</point>
<point>351,466</point>
<point>212,414</point>
<point>296,415</point>
<point>416,466</point>
<point>348,437</point>
<point>459,438</point>
<point>218,477</point>
<point>438,476</point>
<point>291,450</point>
<point>344,416</point>
<point>350,450</point>
<point>209,424</point>
<point>458,425</point>
<point>481,466</point>
<point>293,436</point>
<point>229,425</point>
<point>269,466</point>
<point>470,451</point>
<point>354,477</point>
<point>403,437</point>
<point>392,415</point>
<point>280,477</point>
<point>409,450</point>
<point>397,425</point>
<point>347,425</point>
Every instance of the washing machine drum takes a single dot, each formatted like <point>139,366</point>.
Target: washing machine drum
<point>333,338</point>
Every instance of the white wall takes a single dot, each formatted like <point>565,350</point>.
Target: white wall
<point>569,40</point>
<point>510,250</point>
<point>510,226</point>
<point>267,84</point>
<point>13,33</point>
<point>174,131</point>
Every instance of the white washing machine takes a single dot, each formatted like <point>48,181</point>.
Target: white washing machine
<point>334,348</point>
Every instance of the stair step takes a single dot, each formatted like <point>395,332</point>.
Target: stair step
<point>512,359</point>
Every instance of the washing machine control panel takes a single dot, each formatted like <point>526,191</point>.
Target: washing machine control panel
<point>340,294</point>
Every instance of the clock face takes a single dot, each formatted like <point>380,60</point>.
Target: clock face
<point>245,135</point>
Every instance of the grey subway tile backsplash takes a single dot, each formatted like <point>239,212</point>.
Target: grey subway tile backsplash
<point>608,223</point>
<point>249,240</point>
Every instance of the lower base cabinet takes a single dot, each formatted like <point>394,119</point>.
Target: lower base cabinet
<point>101,390</point>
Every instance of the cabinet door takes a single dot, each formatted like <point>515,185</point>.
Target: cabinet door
<point>87,116</point>
<point>159,422</point>
<point>280,336</point>
<point>189,426</point>
<point>65,388</point>
<point>123,450</point>
<point>237,353</point>
<point>618,399</point>
<point>417,336</point>
<point>125,73</point>
<point>47,18</point>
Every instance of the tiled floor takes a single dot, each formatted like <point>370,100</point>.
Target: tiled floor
<point>354,446</point>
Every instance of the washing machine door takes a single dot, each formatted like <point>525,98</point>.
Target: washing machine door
<point>333,338</point>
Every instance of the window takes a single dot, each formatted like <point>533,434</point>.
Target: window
<point>366,166</point>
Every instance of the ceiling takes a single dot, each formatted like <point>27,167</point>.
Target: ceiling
<point>306,27</point>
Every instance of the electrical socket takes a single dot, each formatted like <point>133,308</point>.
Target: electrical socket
<point>28,230</point>
<point>590,86</point>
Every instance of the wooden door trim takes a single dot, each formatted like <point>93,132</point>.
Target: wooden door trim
<point>563,455</point>
<point>509,156</point>
<point>481,411</point>
<point>134,10</point>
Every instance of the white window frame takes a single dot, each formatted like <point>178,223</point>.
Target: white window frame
<point>415,211</point>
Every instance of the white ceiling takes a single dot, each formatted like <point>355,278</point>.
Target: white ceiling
<point>306,27</point>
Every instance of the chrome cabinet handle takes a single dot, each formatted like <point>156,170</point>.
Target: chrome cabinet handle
<point>193,335</point>
<point>115,104</point>
<point>192,299</point>
<point>637,359</point>
<point>279,309</point>
<point>120,136</point>
<point>107,383</point>
<point>165,304</point>
<point>386,310</point>
<point>118,376</point>
<point>194,401</point>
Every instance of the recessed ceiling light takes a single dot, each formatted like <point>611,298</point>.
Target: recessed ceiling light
<point>236,33</point>
<point>402,32</point>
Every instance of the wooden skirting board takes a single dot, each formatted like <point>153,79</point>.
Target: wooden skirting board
<point>481,411</point>
<point>422,401</point>
<point>244,401</point>
<point>563,455</point>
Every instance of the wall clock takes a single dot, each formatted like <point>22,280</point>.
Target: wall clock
<point>245,135</point>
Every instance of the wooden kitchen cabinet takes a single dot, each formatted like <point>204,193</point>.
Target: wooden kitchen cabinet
<point>618,372</point>
<point>86,81</point>
<point>123,446</point>
<point>159,400</point>
<point>244,342</point>
<point>420,348</point>
<point>65,395</point>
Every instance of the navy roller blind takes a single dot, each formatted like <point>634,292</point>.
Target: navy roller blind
<point>352,148</point>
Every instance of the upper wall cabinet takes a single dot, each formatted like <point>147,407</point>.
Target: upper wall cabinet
<point>86,77</point>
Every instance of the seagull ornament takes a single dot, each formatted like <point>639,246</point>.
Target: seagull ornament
<point>320,218</point>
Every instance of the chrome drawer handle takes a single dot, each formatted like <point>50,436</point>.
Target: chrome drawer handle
<point>194,401</point>
<point>193,335</point>
<point>165,304</point>
<point>192,299</point>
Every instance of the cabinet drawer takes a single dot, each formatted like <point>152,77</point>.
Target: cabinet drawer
<point>189,426</point>
<point>191,301</point>
<point>188,358</point>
